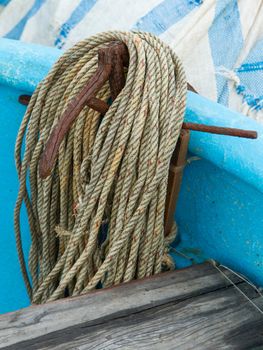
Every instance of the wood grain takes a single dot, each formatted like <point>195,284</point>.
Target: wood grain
<point>103,305</point>
<point>218,320</point>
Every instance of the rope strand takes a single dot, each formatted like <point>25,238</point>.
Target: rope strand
<point>110,175</point>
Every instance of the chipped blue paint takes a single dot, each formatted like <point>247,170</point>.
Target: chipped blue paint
<point>221,202</point>
<point>23,66</point>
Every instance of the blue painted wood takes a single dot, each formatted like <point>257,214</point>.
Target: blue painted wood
<point>220,217</point>
<point>241,157</point>
<point>221,202</point>
<point>12,291</point>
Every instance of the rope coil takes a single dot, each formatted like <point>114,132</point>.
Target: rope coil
<point>98,218</point>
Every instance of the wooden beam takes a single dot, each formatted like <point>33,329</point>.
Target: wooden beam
<point>217,320</point>
<point>106,304</point>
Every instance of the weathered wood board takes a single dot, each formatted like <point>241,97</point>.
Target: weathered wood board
<point>185,309</point>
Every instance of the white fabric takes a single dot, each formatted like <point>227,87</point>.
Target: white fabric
<point>207,35</point>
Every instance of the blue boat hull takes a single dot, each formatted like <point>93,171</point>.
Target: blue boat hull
<point>220,207</point>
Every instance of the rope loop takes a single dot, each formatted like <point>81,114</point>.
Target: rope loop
<point>105,197</point>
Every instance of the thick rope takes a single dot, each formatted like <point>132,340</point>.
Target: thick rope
<point>97,220</point>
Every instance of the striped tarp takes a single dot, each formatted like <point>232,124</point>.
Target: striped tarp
<point>219,41</point>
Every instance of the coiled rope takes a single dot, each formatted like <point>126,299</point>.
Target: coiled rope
<point>97,220</point>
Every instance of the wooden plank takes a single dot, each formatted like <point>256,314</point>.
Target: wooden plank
<point>106,304</point>
<point>222,319</point>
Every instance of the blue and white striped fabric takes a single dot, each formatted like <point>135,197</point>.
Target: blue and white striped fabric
<point>219,41</point>
<point>3,4</point>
